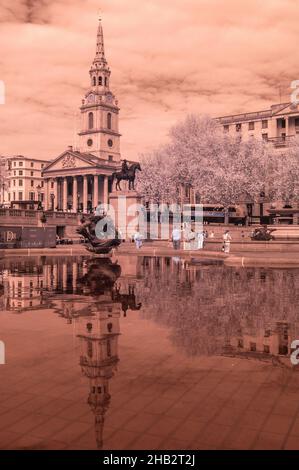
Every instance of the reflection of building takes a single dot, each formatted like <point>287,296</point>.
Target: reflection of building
<point>95,314</point>
<point>98,336</point>
<point>273,341</point>
<point>23,292</point>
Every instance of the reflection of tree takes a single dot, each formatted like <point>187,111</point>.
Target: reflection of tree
<point>206,308</point>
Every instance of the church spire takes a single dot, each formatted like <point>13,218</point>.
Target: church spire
<point>100,52</point>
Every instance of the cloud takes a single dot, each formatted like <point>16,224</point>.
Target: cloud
<point>167,59</point>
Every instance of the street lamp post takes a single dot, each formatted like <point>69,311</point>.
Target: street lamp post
<point>38,188</point>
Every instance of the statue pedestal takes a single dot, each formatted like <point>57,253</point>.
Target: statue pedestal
<point>126,208</point>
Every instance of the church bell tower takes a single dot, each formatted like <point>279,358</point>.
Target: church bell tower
<point>99,133</point>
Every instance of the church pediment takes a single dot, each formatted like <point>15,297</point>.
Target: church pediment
<point>69,160</point>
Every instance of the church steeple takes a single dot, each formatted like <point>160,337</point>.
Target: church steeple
<point>100,72</point>
<point>100,52</point>
<point>99,134</point>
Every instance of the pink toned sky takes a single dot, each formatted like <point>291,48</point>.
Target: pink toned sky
<point>168,58</point>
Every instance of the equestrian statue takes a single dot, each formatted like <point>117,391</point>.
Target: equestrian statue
<point>127,173</point>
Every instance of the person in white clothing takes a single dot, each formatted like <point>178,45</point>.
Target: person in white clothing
<point>226,241</point>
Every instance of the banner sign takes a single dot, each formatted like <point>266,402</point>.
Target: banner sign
<point>27,237</point>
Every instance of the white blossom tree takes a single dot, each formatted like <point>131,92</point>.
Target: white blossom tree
<point>221,168</point>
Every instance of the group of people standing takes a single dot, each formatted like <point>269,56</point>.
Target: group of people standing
<point>186,238</point>
<point>196,240</point>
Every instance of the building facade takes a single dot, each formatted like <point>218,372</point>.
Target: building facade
<point>80,178</point>
<point>277,125</point>
<point>23,180</point>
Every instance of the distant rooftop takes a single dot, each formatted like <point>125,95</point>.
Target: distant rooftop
<point>275,108</point>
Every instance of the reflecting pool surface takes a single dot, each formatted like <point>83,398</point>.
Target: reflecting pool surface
<point>147,353</point>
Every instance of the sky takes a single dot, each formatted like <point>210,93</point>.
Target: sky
<point>168,58</point>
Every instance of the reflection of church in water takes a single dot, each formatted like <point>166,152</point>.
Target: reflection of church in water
<point>95,314</point>
<point>92,296</point>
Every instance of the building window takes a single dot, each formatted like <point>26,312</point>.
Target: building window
<point>42,184</point>
<point>14,182</point>
<point>31,196</point>
<point>109,120</point>
<point>90,120</point>
<point>32,164</point>
<point>89,142</point>
<point>265,137</point>
<point>240,343</point>
<point>252,346</point>
<point>20,196</point>
<point>251,126</point>
<point>52,184</point>
<point>20,172</point>
<point>266,349</point>
<point>110,158</point>
<point>226,128</point>
<point>296,122</point>
<point>31,173</point>
<point>281,123</point>
<point>110,143</point>
<point>32,184</point>
<point>14,163</point>
<point>265,124</point>
<point>14,196</point>
<point>238,127</point>
<point>9,196</point>
<point>100,81</point>
<point>15,173</point>
<point>20,182</point>
<point>106,81</point>
<point>42,165</point>
<point>20,163</point>
<point>94,81</point>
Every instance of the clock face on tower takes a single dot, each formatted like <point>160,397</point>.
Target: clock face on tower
<point>90,98</point>
<point>109,98</point>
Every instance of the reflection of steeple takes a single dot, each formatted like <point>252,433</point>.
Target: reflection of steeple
<point>98,336</point>
<point>98,360</point>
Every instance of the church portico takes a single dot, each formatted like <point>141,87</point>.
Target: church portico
<point>78,190</point>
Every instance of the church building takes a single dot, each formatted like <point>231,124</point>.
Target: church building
<point>80,178</point>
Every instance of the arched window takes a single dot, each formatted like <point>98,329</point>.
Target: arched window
<point>94,81</point>
<point>109,120</point>
<point>100,81</point>
<point>90,120</point>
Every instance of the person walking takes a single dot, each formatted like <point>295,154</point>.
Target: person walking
<point>176,238</point>
<point>226,241</point>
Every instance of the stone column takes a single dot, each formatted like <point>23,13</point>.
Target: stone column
<point>55,194</point>
<point>46,201</point>
<point>105,192</point>
<point>64,203</point>
<point>75,194</point>
<point>95,199</point>
<point>85,195</point>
